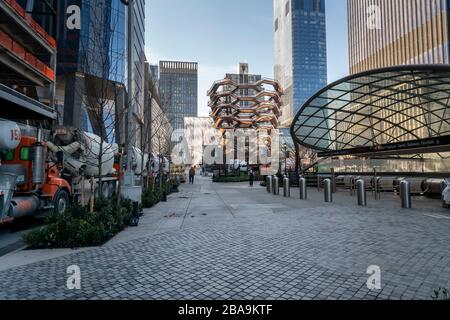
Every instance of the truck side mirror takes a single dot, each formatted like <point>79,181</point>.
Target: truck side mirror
<point>60,158</point>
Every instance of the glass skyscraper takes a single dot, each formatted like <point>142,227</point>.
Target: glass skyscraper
<point>387,33</point>
<point>178,87</point>
<point>300,51</point>
<point>96,48</point>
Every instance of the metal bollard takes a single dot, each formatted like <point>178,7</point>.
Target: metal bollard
<point>333,181</point>
<point>276,186</point>
<point>269,184</point>
<point>352,186</point>
<point>405,194</point>
<point>375,185</point>
<point>328,190</point>
<point>303,189</point>
<point>362,194</point>
<point>286,187</point>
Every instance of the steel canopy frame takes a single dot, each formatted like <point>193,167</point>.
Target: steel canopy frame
<point>378,110</point>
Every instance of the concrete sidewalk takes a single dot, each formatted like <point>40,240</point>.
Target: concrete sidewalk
<point>230,241</point>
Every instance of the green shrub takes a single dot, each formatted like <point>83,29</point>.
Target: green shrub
<point>229,179</point>
<point>153,196</point>
<point>77,227</point>
<point>441,294</point>
<point>150,197</point>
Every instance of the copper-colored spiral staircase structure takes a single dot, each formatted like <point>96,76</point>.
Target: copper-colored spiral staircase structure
<point>232,110</point>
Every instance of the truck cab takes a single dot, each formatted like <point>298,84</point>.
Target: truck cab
<point>38,184</point>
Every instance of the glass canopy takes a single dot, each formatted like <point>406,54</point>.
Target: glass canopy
<point>375,109</point>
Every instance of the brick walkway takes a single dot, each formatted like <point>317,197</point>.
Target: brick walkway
<point>215,241</point>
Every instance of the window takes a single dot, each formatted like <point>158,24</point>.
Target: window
<point>9,156</point>
<point>25,154</point>
<point>287,7</point>
<point>276,24</point>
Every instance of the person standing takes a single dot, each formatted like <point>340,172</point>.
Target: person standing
<point>191,175</point>
<point>251,177</point>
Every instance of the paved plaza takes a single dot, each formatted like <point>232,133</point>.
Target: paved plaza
<point>229,241</point>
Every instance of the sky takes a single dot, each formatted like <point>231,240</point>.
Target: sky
<point>219,34</point>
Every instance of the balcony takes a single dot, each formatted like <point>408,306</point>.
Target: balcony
<point>25,47</point>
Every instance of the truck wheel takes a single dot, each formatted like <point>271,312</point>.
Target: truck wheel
<point>61,202</point>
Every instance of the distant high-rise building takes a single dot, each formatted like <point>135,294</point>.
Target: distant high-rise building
<point>387,33</point>
<point>243,77</point>
<point>300,51</point>
<point>178,87</point>
<point>154,68</point>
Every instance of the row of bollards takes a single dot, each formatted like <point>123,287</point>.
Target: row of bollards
<point>273,186</point>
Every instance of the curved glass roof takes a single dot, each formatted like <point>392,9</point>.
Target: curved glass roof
<point>377,108</point>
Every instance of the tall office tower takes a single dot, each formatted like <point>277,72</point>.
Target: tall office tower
<point>178,87</point>
<point>300,51</point>
<point>92,53</point>
<point>386,33</point>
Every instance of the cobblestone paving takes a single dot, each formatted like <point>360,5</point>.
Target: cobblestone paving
<point>232,242</point>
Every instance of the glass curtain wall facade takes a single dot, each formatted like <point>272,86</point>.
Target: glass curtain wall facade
<point>300,51</point>
<point>96,50</point>
<point>139,66</point>
<point>385,33</point>
<point>178,86</point>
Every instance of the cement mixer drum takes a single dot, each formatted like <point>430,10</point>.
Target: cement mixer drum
<point>10,135</point>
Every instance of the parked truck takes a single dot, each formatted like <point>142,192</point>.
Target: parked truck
<point>43,171</point>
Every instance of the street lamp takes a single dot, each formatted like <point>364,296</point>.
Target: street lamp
<point>129,171</point>
<point>285,147</point>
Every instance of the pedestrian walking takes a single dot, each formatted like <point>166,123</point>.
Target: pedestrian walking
<point>191,175</point>
<point>251,177</point>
